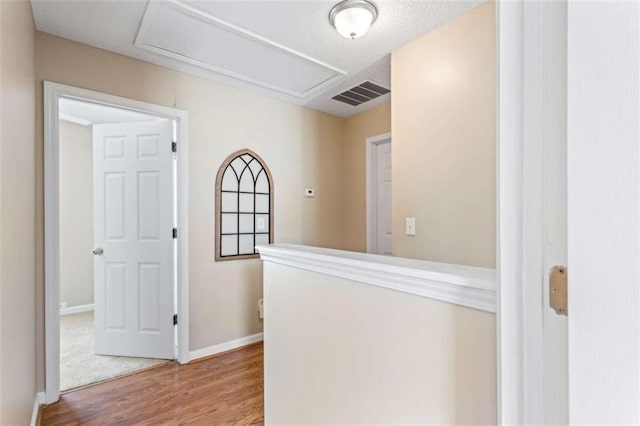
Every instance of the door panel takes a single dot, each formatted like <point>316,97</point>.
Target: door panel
<point>149,206</point>
<point>133,193</point>
<point>114,300</point>
<point>114,196</point>
<point>149,283</point>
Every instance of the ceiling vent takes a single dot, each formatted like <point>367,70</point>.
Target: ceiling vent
<point>361,93</point>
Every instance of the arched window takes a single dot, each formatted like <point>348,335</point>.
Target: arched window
<point>244,206</point>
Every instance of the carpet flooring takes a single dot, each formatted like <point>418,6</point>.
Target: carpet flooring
<point>79,365</point>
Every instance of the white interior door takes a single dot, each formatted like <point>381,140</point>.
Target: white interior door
<point>383,198</point>
<point>604,212</point>
<point>133,205</point>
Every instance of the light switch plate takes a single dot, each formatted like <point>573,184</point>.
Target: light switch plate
<point>410,226</point>
<point>309,192</point>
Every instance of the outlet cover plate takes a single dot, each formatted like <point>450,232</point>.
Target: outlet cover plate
<point>410,226</point>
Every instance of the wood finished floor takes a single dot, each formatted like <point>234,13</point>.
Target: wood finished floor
<point>227,389</point>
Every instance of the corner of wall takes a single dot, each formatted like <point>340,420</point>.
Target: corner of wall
<point>17,213</point>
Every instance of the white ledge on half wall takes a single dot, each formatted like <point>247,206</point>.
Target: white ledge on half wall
<point>469,286</point>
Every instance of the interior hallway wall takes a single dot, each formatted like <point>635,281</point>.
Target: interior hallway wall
<point>17,213</point>
<point>444,142</point>
<point>357,129</point>
<point>301,147</point>
<point>380,357</point>
<point>76,214</point>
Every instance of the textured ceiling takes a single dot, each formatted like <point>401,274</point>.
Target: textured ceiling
<point>298,25</point>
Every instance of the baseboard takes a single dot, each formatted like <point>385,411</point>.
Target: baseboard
<point>226,346</point>
<point>76,309</point>
<point>38,402</point>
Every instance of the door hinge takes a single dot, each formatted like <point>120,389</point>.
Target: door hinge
<point>175,319</point>
<point>558,289</point>
<point>175,233</point>
<point>174,146</point>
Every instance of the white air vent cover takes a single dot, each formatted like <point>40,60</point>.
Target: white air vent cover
<point>187,34</point>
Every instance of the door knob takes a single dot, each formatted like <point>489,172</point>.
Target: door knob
<point>97,251</point>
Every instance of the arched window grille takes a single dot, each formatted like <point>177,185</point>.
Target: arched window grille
<point>244,206</point>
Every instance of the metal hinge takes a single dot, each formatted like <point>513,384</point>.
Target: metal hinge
<point>174,146</point>
<point>175,232</point>
<point>175,319</point>
<point>558,289</point>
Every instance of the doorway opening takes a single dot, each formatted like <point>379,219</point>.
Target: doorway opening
<point>115,205</point>
<point>379,194</point>
<point>109,156</point>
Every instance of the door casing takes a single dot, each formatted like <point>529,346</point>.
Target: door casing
<point>52,93</point>
<point>527,68</point>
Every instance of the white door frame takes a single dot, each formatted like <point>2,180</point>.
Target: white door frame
<point>52,93</point>
<point>522,103</point>
<point>371,143</point>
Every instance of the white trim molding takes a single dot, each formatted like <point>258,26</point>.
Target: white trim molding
<point>77,309</point>
<point>52,93</point>
<point>531,101</point>
<point>226,346</point>
<point>371,142</point>
<point>468,286</point>
<point>38,402</point>
<point>510,339</point>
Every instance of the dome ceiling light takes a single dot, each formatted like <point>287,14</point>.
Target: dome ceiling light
<point>352,18</point>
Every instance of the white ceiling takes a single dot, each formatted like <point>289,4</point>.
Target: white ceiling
<point>87,113</point>
<point>284,49</point>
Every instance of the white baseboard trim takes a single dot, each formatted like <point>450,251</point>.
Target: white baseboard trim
<point>226,346</point>
<point>37,403</point>
<point>76,309</point>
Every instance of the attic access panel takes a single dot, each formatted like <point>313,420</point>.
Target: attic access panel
<point>190,35</point>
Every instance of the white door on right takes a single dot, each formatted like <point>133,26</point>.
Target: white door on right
<point>604,212</point>
<point>383,198</point>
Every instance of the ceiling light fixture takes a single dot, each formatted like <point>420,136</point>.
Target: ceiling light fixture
<point>352,18</point>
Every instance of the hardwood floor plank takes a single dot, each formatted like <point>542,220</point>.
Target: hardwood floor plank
<point>226,389</point>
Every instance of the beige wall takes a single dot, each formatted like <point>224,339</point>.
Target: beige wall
<point>342,352</point>
<point>17,213</point>
<point>357,129</point>
<point>301,147</point>
<point>444,139</point>
<point>76,214</point>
